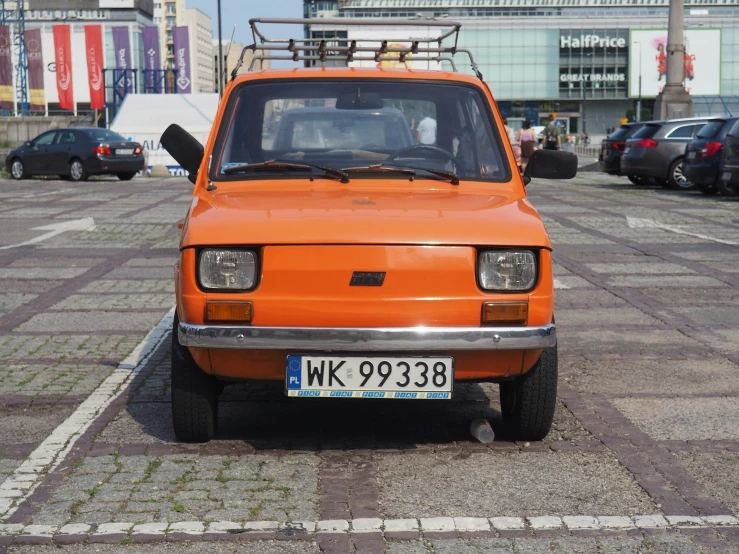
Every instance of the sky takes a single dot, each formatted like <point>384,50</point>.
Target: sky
<point>239,12</point>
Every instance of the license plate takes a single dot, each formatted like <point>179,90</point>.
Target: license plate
<point>430,378</point>
<point>726,176</point>
<point>627,149</point>
<point>124,151</point>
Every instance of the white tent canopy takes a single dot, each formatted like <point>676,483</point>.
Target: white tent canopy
<point>144,117</point>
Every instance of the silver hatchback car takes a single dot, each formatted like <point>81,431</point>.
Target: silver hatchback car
<point>656,152</point>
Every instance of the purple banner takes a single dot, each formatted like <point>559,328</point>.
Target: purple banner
<point>122,47</point>
<point>7,93</point>
<point>35,70</point>
<point>182,59</point>
<point>152,61</point>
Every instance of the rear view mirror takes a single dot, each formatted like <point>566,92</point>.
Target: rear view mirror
<point>550,164</point>
<point>359,101</point>
<point>184,148</point>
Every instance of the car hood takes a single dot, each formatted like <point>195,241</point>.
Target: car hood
<point>365,211</point>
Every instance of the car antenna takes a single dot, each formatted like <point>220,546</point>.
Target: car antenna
<point>228,49</point>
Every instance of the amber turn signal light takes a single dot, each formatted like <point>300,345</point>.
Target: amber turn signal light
<point>228,312</point>
<point>505,313</point>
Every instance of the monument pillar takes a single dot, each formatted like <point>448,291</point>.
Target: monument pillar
<point>674,101</point>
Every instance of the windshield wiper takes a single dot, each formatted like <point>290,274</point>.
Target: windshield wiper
<point>453,179</point>
<point>379,168</point>
<point>283,164</point>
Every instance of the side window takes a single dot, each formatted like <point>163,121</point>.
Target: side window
<point>686,131</point>
<point>734,131</point>
<point>45,140</point>
<point>65,137</point>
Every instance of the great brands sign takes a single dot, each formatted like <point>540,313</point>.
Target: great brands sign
<point>592,77</point>
<point>594,40</point>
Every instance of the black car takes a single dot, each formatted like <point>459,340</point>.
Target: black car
<point>728,177</point>
<point>77,153</point>
<point>703,154</point>
<point>612,148</point>
<point>657,151</point>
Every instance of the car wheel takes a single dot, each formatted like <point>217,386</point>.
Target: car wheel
<point>194,395</point>
<point>677,179</point>
<point>77,171</point>
<point>126,176</point>
<point>709,190</point>
<point>18,170</point>
<point>726,189</point>
<point>528,402</point>
<point>636,180</point>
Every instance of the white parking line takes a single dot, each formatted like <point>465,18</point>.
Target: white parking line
<point>343,526</point>
<point>50,453</point>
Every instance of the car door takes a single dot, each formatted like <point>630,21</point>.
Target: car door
<point>36,158</point>
<point>60,152</point>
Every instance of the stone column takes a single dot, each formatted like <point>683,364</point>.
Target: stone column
<point>674,101</point>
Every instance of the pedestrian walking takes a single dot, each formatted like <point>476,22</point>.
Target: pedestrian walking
<point>426,131</point>
<point>527,140</point>
<point>552,136</point>
<point>513,139</point>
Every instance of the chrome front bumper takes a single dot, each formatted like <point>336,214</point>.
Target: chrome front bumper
<point>386,339</point>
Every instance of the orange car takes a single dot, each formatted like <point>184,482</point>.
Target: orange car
<point>362,232</point>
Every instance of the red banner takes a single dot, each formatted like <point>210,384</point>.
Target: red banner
<point>95,58</point>
<point>63,58</point>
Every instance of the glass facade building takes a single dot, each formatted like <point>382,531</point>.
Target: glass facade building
<point>589,61</point>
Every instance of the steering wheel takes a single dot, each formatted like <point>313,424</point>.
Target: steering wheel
<point>425,149</point>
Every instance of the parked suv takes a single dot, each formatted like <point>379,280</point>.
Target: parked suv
<point>728,179</point>
<point>657,150</point>
<point>612,148</point>
<point>703,154</point>
<point>358,265</point>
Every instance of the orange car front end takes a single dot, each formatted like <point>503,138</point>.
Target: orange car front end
<point>339,251</point>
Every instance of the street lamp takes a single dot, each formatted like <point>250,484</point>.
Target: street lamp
<point>638,102</point>
<point>219,65</point>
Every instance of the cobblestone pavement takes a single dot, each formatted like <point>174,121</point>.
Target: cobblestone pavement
<point>643,457</point>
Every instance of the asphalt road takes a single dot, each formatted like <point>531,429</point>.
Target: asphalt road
<point>643,457</point>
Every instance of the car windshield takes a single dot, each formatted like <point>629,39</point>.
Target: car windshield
<point>353,124</point>
<point>648,131</point>
<point>620,134</point>
<point>103,135</point>
<point>710,129</point>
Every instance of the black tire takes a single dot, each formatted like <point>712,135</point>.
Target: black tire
<point>676,179</point>
<point>528,402</point>
<point>726,189</point>
<point>636,180</point>
<point>126,176</point>
<point>194,397</point>
<point>77,170</point>
<point>18,170</point>
<point>708,190</point>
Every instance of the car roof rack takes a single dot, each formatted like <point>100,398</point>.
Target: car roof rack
<point>330,49</point>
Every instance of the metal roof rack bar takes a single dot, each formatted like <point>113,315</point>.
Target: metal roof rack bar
<point>345,49</point>
<point>438,59</point>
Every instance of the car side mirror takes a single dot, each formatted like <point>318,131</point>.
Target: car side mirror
<point>28,143</point>
<point>550,164</point>
<point>184,148</point>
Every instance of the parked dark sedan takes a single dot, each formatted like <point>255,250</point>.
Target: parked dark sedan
<point>657,150</point>
<point>612,148</point>
<point>728,178</point>
<point>77,153</point>
<point>703,154</point>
